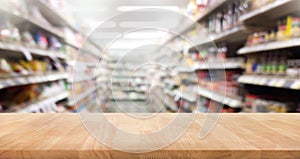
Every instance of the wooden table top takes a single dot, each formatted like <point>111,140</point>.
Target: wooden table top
<point>234,136</point>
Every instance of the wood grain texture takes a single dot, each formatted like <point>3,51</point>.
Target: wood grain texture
<point>240,136</point>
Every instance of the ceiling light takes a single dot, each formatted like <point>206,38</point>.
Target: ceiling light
<point>129,45</point>
<point>155,24</point>
<point>144,35</point>
<point>131,8</point>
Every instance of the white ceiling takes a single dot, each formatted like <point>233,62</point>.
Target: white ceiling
<point>95,12</point>
<point>101,10</point>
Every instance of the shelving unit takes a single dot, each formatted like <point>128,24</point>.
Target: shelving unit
<point>44,104</point>
<point>233,102</point>
<point>126,89</point>
<point>80,97</point>
<point>64,56</point>
<point>211,8</point>
<point>221,57</point>
<point>270,46</point>
<point>227,64</point>
<point>191,97</point>
<point>168,104</point>
<point>33,51</point>
<point>234,67</point>
<point>271,81</point>
<point>31,79</point>
<point>230,35</point>
<point>273,10</point>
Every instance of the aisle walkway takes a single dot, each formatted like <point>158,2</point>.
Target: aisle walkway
<point>134,107</point>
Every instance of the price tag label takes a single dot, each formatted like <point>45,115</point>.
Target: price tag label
<point>22,80</point>
<point>248,79</point>
<point>280,83</point>
<point>296,85</point>
<point>272,82</point>
<point>256,80</point>
<point>11,82</point>
<point>1,86</point>
<point>262,81</point>
<point>32,79</point>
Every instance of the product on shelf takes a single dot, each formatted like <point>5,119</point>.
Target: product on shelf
<point>53,43</point>
<point>27,39</point>
<point>211,54</point>
<point>18,68</point>
<point>191,8</point>
<point>223,19</point>
<point>41,40</point>
<point>208,105</point>
<point>293,68</point>
<point>29,67</point>
<point>8,31</point>
<point>227,18</point>
<point>218,83</point>
<point>272,63</point>
<point>287,28</point>
<point>185,106</point>
<point>257,103</point>
<point>5,68</point>
<point>16,98</point>
<point>29,28</point>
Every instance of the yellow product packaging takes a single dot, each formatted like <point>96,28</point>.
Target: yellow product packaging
<point>36,65</point>
<point>288,27</point>
<point>16,67</point>
<point>26,65</point>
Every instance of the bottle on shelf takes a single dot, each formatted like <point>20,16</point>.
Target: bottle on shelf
<point>295,27</point>
<point>249,65</point>
<point>263,65</point>
<point>274,64</point>
<point>282,65</point>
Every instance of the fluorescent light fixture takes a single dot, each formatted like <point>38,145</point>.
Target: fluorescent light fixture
<point>144,35</point>
<point>158,24</point>
<point>131,8</point>
<point>129,45</point>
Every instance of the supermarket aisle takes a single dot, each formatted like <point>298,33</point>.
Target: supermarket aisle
<point>129,107</point>
<point>38,46</point>
<point>236,56</point>
<point>153,102</point>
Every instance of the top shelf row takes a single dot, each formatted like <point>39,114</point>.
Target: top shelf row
<point>252,18</point>
<point>55,18</point>
<point>58,19</point>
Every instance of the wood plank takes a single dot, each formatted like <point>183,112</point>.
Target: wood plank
<point>244,136</point>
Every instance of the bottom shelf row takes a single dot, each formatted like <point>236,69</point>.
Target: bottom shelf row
<point>205,100</point>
